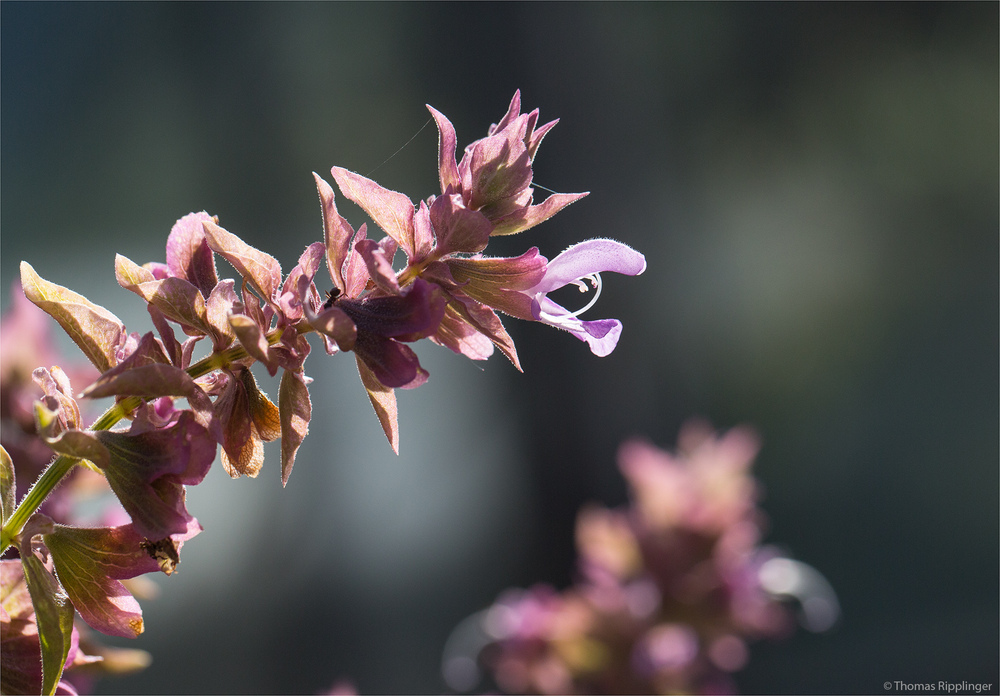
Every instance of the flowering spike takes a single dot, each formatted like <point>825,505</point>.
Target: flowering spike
<point>446,291</point>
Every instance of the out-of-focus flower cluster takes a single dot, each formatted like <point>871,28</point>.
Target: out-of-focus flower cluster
<point>671,589</point>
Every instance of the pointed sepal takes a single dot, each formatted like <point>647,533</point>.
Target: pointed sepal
<point>384,402</point>
<point>296,410</point>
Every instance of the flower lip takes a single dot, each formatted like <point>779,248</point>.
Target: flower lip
<point>589,257</point>
<point>595,280</point>
<point>584,261</point>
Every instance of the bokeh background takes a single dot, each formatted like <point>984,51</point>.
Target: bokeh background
<point>814,186</point>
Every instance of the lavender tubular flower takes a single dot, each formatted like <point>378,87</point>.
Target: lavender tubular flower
<point>585,261</point>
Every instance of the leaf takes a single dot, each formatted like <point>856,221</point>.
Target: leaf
<point>526,218</point>
<point>355,271</point>
<point>218,307</point>
<point>460,336</point>
<point>265,415</point>
<point>20,663</point>
<point>94,329</point>
<point>379,266</point>
<point>338,233</point>
<point>130,274</point>
<point>261,270</point>
<point>188,254</point>
<point>296,411</point>
<point>46,420</point>
<point>384,402</point>
<point>82,445</point>
<point>253,340</point>
<point>151,381</point>
<point>391,210</point>
<point>242,452</point>
<point>457,228</point>
<point>176,298</point>
<point>8,492</point>
<point>447,144</point>
<point>54,614</point>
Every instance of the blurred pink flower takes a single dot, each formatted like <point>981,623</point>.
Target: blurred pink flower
<point>672,589</point>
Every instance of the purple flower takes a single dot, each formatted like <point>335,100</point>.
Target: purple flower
<point>671,589</point>
<point>585,261</point>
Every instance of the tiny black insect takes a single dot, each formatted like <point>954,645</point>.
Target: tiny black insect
<point>331,297</point>
<point>164,552</point>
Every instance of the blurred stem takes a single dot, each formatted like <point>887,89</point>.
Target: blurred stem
<point>63,464</point>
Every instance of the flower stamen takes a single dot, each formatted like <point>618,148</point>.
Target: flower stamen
<point>595,280</point>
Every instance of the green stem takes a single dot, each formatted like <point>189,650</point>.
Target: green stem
<point>49,479</point>
<point>63,464</point>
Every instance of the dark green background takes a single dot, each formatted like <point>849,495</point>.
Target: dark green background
<point>815,187</point>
